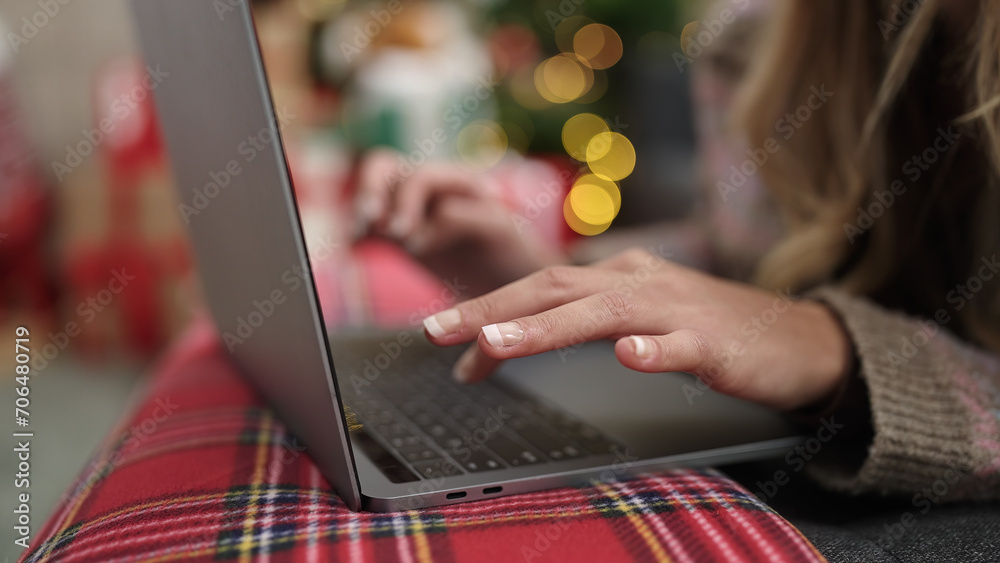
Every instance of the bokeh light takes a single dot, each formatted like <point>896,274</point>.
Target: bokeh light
<point>320,10</point>
<point>597,200</point>
<point>596,91</point>
<point>565,31</point>
<point>611,156</point>
<point>481,145</point>
<point>563,78</point>
<point>598,45</point>
<point>592,204</point>
<point>524,91</point>
<point>687,36</point>
<point>578,225</point>
<point>578,131</point>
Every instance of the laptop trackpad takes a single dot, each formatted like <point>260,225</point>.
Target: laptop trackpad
<point>656,415</point>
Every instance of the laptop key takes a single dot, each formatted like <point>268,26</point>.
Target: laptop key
<point>399,442</point>
<point>478,461</point>
<point>414,454</point>
<point>544,441</point>
<point>510,451</point>
<point>437,469</point>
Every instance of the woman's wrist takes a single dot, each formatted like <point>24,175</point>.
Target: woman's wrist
<point>832,358</point>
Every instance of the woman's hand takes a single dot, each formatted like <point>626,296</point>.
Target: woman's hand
<point>740,340</point>
<point>453,221</point>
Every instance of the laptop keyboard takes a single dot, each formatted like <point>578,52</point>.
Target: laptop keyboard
<point>423,424</point>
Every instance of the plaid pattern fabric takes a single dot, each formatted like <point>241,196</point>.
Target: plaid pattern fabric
<point>203,471</point>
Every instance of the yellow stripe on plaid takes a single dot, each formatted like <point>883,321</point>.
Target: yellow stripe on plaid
<point>420,537</point>
<point>423,555</point>
<point>256,487</point>
<point>61,532</point>
<point>636,520</point>
<point>470,521</point>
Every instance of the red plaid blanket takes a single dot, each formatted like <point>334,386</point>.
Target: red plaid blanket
<point>202,470</point>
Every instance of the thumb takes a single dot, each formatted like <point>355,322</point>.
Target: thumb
<point>682,350</point>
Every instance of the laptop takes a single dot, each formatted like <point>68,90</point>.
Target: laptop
<point>376,410</point>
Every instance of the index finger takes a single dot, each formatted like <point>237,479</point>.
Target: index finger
<point>378,174</point>
<point>533,294</point>
<point>411,204</point>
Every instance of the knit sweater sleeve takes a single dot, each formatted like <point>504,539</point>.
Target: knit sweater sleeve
<point>934,404</point>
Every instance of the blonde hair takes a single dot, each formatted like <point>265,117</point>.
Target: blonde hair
<point>894,84</point>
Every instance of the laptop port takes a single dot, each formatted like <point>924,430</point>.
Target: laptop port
<point>459,494</point>
<point>492,490</point>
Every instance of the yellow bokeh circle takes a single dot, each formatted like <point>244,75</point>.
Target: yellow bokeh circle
<point>577,224</point>
<point>591,205</point>
<point>598,45</point>
<point>579,130</point>
<point>611,156</point>
<point>481,145</point>
<point>594,189</point>
<point>563,78</point>
<point>688,35</point>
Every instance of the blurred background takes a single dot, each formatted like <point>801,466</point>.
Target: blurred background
<point>607,101</point>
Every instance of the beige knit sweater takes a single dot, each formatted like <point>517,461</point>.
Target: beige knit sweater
<point>933,431</point>
<point>922,414</point>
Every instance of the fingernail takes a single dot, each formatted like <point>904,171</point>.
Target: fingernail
<point>641,348</point>
<point>443,323</point>
<point>397,227</point>
<point>461,370</point>
<point>503,334</point>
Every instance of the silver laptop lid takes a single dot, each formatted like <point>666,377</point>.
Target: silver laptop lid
<point>237,200</point>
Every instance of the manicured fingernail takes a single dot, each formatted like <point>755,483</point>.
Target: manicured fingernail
<point>503,334</point>
<point>641,347</point>
<point>461,371</point>
<point>443,323</point>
